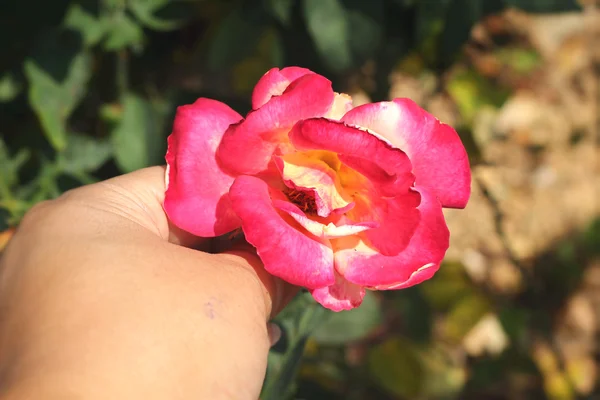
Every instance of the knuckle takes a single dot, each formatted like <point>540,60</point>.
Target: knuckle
<point>36,213</point>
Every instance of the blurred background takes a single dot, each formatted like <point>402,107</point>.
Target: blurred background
<point>88,90</point>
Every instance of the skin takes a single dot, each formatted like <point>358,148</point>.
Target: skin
<point>100,297</point>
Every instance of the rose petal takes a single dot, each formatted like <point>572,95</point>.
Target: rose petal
<point>297,257</point>
<point>418,261</point>
<point>246,148</point>
<point>274,83</point>
<point>319,229</point>
<point>300,171</point>
<point>380,162</point>
<point>342,295</point>
<point>196,198</point>
<point>420,275</point>
<point>398,218</point>
<point>439,160</point>
<point>342,103</point>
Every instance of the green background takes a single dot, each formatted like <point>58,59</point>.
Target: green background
<point>88,90</point>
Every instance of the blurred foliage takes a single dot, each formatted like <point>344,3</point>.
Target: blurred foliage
<point>103,77</point>
<point>88,90</point>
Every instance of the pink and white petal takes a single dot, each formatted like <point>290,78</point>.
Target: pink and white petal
<point>196,198</point>
<point>364,266</point>
<point>422,274</point>
<point>398,219</point>
<point>333,231</point>
<point>274,83</point>
<point>297,257</point>
<point>246,148</point>
<point>342,103</point>
<point>343,295</point>
<point>439,159</point>
<point>362,150</point>
<point>305,173</point>
<point>383,182</point>
<point>321,230</point>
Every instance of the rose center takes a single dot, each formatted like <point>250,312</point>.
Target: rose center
<point>306,201</point>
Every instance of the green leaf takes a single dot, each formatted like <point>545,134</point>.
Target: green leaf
<point>46,98</point>
<point>282,369</point>
<point>429,24</point>
<point>429,20</point>
<point>470,91</point>
<point>448,286</point>
<point>236,38</point>
<point>444,375</point>
<point>114,4</point>
<point>460,18</point>
<point>137,140</point>
<point>365,35</point>
<point>269,53</point>
<point>395,365</point>
<point>464,315</point>
<point>9,168</point>
<point>544,6</point>
<point>366,20</point>
<point>276,51</point>
<point>281,10</point>
<point>53,101</point>
<point>124,32</point>
<point>415,313</point>
<point>46,183</point>
<point>12,204</point>
<point>442,29</point>
<point>295,307</point>
<point>347,326</point>
<point>522,61</point>
<point>302,323</point>
<point>92,28</point>
<point>111,112</point>
<point>144,11</point>
<point>75,84</point>
<point>9,88</point>
<point>406,3</point>
<point>84,154</point>
<point>515,320</point>
<point>328,24</point>
<point>412,370</point>
<point>591,237</point>
<point>297,321</point>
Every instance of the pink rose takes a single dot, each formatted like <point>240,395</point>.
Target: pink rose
<point>334,198</point>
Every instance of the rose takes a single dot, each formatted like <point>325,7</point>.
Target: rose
<point>335,199</point>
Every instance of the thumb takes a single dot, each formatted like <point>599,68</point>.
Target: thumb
<point>142,193</point>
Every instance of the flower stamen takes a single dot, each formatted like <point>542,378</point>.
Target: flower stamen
<point>304,200</point>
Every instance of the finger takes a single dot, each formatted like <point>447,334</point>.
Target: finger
<point>144,191</point>
<point>274,332</point>
<point>283,292</point>
<point>183,238</point>
<point>278,292</point>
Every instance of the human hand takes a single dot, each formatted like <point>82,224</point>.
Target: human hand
<point>100,297</point>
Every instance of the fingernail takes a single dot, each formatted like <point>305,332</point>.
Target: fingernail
<point>274,332</point>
